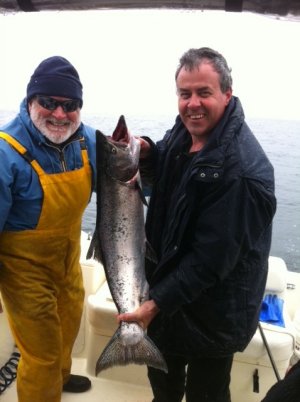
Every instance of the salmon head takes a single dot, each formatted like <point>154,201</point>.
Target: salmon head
<point>118,155</point>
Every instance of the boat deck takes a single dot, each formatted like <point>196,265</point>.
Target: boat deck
<point>102,389</point>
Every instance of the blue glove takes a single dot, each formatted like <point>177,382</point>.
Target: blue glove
<point>271,310</point>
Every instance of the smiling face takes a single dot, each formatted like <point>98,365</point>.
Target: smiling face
<point>56,125</point>
<point>201,103</point>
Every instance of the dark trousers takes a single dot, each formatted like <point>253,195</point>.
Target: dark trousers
<point>286,390</point>
<point>200,379</point>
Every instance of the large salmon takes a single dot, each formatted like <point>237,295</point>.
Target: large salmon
<point>119,242</point>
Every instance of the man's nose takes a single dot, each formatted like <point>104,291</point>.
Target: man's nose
<point>194,101</point>
<point>59,112</point>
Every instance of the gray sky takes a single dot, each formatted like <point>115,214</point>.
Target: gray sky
<point>127,59</point>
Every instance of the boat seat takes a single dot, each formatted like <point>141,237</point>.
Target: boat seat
<point>280,339</point>
<point>252,373</point>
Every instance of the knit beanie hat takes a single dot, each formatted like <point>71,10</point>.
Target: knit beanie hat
<point>55,76</point>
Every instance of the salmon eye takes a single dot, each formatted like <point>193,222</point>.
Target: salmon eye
<point>114,150</point>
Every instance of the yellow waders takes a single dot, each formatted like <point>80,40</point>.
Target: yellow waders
<point>41,282</point>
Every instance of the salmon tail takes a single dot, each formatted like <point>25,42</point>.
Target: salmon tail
<point>118,354</point>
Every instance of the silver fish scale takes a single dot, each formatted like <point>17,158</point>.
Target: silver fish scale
<point>123,243</point>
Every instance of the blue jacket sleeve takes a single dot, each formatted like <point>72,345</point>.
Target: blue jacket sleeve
<point>6,183</point>
<point>90,136</point>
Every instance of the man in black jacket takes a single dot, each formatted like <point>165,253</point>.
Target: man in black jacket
<point>209,222</point>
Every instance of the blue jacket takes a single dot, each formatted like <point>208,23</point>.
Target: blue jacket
<point>212,238</point>
<point>20,191</point>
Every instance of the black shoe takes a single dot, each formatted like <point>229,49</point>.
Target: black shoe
<point>77,383</point>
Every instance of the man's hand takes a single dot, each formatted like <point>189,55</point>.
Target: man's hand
<point>143,315</point>
<point>145,148</point>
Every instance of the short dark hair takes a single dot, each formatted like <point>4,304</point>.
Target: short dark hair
<point>193,58</point>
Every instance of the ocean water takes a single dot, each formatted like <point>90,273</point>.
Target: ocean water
<point>281,142</point>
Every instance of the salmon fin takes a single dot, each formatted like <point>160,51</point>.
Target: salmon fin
<point>138,186</point>
<point>94,250</point>
<point>118,354</point>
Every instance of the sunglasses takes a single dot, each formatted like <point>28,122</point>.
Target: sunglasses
<point>51,104</point>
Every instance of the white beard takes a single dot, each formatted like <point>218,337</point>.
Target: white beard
<point>60,131</point>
